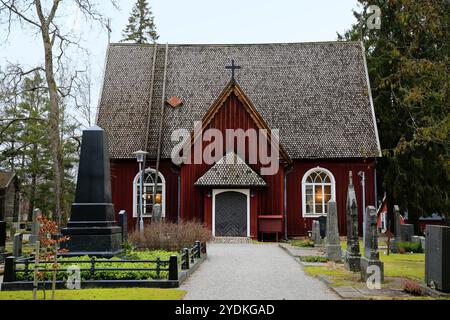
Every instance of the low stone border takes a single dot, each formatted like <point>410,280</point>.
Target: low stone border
<point>285,247</point>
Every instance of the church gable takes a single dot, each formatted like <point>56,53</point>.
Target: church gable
<point>234,115</point>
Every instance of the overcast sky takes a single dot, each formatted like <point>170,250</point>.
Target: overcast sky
<point>193,21</point>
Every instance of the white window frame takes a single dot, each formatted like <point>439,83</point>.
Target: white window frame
<point>136,188</point>
<point>304,183</point>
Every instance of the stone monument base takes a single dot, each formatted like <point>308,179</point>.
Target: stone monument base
<point>365,263</point>
<point>334,252</point>
<point>94,241</point>
<point>352,262</point>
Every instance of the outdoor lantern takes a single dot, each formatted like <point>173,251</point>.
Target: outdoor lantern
<point>140,155</point>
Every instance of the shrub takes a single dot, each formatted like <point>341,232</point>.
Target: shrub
<point>170,236</point>
<point>412,287</point>
<point>414,247</point>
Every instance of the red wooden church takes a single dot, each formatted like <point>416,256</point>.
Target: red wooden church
<point>316,94</point>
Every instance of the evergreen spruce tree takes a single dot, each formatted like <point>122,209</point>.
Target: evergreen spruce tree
<point>408,67</point>
<point>141,27</point>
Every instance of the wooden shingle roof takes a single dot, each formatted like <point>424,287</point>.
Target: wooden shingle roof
<point>316,94</point>
<point>6,178</point>
<point>230,171</point>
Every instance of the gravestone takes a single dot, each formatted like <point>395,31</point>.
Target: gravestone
<point>123,223</point>
<point>2,235</point>
<point>366,234</point>
<point>406,232</point>
<point>17,244</point>
<point>371,258</point>
<point>352,260</point>
<point>437,257</point>
<point>397,237</point>
<point>156,213</point>
<point>92,228</point>
<point>35,227</point>
<point>323,226</point>
<point>316,233</point>
<point>419,239</point>
<point>423,242</point>
<point>333,244</point>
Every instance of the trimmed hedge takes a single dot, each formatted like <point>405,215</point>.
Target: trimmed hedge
<point>110,274</point>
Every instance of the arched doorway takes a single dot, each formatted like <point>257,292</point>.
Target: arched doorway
<point>231,213</point>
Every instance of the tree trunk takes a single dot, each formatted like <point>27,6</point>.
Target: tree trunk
<point>53,122</point>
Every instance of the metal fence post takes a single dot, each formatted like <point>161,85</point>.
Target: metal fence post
<point>192,255</point>
<point>199,249</point>
<point>10,269</point>
<point>92,268</point>
<point>158,268</point>
<point>173,267</point>
<point>185,264</point>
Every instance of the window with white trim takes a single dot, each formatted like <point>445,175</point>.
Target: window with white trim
<point>318,187</point>
<point>147,198</point>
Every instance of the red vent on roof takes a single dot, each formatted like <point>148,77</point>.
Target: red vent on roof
<point>174,102</point>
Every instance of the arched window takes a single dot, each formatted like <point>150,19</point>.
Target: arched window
<point>147,198</point>
<point>318,187</point>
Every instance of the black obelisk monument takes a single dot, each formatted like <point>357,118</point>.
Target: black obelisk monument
<point>92,228</point>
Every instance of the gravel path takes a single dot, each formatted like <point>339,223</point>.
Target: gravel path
<point>254,272</point>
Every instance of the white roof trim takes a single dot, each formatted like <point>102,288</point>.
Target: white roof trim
<point>369,89</point>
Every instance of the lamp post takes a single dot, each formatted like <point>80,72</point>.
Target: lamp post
<point>140,157</point>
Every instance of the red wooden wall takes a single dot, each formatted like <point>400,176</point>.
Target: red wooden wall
<point>196,204</point>
<point>232,115</point>
<point>340,169</point>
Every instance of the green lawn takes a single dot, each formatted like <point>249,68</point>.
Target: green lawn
<point>408,265</point>
<point>100,294</point>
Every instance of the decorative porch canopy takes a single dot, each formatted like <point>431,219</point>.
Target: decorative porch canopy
<point>230,171</point>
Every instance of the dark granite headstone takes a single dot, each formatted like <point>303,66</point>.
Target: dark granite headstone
<point>352,260</point>
<point>406,232</point>
<point>92,228</point>
<point>322,225</point>
<point>437,257</point>
<point>2,235</point>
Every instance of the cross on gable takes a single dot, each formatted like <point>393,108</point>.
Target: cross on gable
<point>233,67</point>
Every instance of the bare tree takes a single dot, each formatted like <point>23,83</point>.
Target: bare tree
<point>41,16</point>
